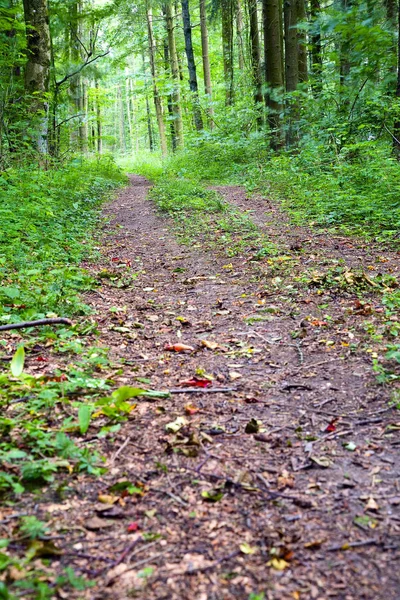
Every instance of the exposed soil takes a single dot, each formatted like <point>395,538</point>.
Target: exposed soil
<point>299,457</point>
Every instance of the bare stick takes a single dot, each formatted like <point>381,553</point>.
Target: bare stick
<point>202,390</point>
<point>118,452</point>
<point>25,324</point>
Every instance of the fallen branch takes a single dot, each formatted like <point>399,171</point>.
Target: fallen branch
<point>25,324</point>
<point>202,390</point>
<point>349,545</point>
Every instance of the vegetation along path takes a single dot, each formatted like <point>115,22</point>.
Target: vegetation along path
<point>271,470</point>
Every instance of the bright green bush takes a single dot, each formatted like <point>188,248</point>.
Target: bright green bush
<point>44,221</point>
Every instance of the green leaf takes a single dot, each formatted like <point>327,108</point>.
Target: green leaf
<point>10,292</point>
<point>125,392</point>
<point>17,363</point>
<point>84,416</point>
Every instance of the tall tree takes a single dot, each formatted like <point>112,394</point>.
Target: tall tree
<point>316,47</point>
<point>396,128</point>
<point>156,94</point>
<point>37,68</point>
<point>206,57</point>
<point>255,56</point>
<point>173,57</point>
<point>273,60</point>
<point>227,48</point>
<point>187,31</point>
<point>302,40</point>
<point>291,45</point>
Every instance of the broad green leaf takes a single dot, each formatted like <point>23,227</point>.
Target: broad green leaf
<point>17,363</point>
<point>125,392</point>
<point>10,292</point>
<point>84,416</point>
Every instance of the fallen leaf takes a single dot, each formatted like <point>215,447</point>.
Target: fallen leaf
<point>191,409</point>
<point>178,348</point>
<point>252,426</point>
<point>209,344</point>
<point>96,523</point>
<point>212,495</point>
<point>332,426</point>
<point>247,549</point>
<point>176,425</point>
<point>321,461</point>
<point>278,564</point>
<point>372,504</point>
<point>196,382</point>
<point>233,375</point>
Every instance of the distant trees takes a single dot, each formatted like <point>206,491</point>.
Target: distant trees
<point>182,69</point>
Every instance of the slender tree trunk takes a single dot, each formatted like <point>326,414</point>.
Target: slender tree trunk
<point>291,45</point>
<point>121,120</point>
<point>239,35</point>
<point>128,111</point>
<point>98,119</point>
<point>206,58</point>
<point>169,98</point>
<point>396,128</point>
<point>302,41</point>
<point>194,88</point>
<point>345,46</point>
<point>291,67</point>
<point>227,49</point>
<point>255,57</point>
<point>149,125</point>
<point>37,68</point>
<point>316,48</point>
<point>169,16</point>
<point>156,95</point>
<point>83,110</point>
<point>273,59</point>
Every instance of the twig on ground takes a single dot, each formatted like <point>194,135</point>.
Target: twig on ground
<point>201,390</point>
<point>349,545</point>
<point>118,452</point>
<point>212,565</point>
<point>24,324</point>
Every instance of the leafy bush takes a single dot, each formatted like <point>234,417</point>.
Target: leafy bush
<point>44,220</point>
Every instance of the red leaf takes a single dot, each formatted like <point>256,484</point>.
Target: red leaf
<point>196,382</point>
<point>332,426</point>
<point>134,526</point>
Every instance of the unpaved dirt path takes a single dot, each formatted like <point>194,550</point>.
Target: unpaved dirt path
<point>298,515</point>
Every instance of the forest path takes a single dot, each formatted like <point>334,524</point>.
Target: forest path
<point>257,493</point>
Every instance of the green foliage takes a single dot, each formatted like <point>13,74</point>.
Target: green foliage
<point>176,195</point>
<point>44,220</point>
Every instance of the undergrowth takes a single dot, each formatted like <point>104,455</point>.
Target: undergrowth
<point>47,227</point>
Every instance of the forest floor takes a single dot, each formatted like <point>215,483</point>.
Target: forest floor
<point>285,485</point>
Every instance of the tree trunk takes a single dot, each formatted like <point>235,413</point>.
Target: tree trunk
<point>239,35</point>
<point>255,57</point>
<point>37,68</point>
<point>345,66</point>
<point>227,49</point>
<point>316,48</point>
<point>176,96</point>
<point>121,120</point>
<point>187,31</point>
<point>169,97</point>
<point>273,59</point>
<point>156,95</point>
<point>98,119</point>
<point>206,58</point>
<point>396,128</point>
<point>302,41</point>
<point>291,67</point>
<point>291,45</point>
